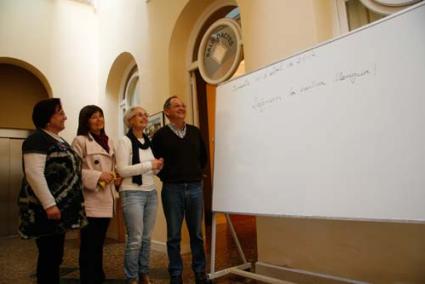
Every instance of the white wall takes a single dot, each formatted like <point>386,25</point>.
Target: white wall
<point>128,26</point>
<point>59,38</point>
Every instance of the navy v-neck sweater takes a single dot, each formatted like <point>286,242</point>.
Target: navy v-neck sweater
<point>184,158</point>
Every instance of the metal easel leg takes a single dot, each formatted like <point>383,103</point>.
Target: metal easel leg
<point>216,274</point>
<point>235,238</point>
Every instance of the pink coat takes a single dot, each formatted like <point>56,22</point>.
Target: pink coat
<point>98,202</point>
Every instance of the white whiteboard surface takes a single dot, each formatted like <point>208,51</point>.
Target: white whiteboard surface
<point>337,131</point>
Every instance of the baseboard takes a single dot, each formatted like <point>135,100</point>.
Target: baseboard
<point>162,247</point>
<point>301,276</point>
<point>158,246</point>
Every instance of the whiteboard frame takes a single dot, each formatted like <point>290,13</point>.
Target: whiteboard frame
<point>395,15</point>
<point>374,220</point>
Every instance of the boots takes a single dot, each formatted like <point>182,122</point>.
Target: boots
<point>176,279</point>
<point>144,279</point>
<point>201,278</point>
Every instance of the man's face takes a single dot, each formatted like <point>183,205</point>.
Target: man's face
<point>177,110</point>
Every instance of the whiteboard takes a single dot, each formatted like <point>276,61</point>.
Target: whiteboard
<point>336,131</point>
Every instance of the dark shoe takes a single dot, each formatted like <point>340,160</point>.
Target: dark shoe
<point>176,279</point>
<point>201,278</point>
<point>144,279</point>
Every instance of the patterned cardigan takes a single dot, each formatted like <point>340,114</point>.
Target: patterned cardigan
<point>63,176</point>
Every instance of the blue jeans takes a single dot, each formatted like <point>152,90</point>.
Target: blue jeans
<point>184,200</point>
<point>139,209</point>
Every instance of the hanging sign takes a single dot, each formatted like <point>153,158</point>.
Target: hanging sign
<point>220,51</point>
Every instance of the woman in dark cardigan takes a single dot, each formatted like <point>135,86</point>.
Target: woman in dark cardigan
<point>51,200</point>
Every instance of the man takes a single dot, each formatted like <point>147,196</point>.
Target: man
<point>184,153</point>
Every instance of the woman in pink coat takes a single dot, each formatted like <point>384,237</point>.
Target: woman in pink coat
<point>97,153</point>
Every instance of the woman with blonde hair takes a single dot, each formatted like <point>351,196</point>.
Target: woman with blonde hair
<point>137,165</point>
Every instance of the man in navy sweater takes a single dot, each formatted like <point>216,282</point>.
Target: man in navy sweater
<point>184,153</point>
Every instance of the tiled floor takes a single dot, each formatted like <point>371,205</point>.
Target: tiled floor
<point>18,258</point>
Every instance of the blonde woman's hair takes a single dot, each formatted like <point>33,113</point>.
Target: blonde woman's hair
<point>130,113</point>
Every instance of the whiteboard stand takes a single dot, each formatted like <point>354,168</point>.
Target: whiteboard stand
<point>246,265</point>
<point>352,130</point>
<point>239,269</point>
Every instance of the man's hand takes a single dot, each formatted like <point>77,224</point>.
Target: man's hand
<point>157,164</point>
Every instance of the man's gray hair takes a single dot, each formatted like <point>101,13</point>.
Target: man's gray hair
<point>167,103</point>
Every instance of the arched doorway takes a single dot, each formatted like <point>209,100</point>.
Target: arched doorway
<point>21,86</point>
<point>122,92</point>
<point>130,93</point>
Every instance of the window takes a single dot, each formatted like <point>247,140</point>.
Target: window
<point>130,96</point>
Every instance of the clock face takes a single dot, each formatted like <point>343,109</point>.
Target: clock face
<point>396,2</point>
<point>220,51</point>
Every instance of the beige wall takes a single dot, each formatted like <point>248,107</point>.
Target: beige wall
<point>144,32</point>
<point>59,38</point>
<point>75,47</point>
<point>19,91</point>
<point>374,252</point>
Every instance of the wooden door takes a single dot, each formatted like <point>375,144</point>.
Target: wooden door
<point>211,125</point>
